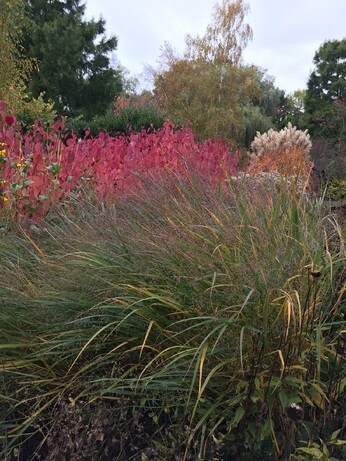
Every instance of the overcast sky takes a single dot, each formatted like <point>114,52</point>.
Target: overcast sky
<point>286,33</point>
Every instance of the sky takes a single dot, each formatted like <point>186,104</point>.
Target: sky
<point>286,33</point>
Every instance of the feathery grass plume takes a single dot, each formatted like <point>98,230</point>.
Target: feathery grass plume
<point>285,152</point>
<point>284,140</point>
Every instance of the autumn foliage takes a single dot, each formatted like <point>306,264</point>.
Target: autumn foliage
<point>291,164</point>
<point>42,169</point>
<point>286,152</point>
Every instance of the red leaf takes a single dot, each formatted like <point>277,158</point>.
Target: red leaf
<point>10,120</point>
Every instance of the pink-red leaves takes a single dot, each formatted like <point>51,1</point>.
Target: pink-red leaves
<point>49,167</point>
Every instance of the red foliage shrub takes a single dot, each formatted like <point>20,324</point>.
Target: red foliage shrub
<point>42,169</point>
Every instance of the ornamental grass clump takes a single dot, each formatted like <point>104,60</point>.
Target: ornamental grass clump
<point>187,313</point>
<point>286,152</point>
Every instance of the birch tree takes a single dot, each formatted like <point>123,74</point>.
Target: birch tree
<point>208,86</point>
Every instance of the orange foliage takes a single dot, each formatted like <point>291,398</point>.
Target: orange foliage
<point>290,162</point>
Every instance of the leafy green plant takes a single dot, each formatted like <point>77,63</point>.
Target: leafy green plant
<point>336,189</point>
<point>36,109</point>
<point>322,450</point>
<point>127,120</point>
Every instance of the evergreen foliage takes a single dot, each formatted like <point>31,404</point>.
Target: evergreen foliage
<point>327,91</point>
<point>129,119</point>
<point>73,55</point>
<point>325,109</point>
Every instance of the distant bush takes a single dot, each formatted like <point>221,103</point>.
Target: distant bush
<point>36,109</point>
<point>137,118</point>
<point>336,189</point>
<point>130,119</point>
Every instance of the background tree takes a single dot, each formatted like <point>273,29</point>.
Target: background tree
<point>266,108</point>
<point>326,85</point>
<point>14,68</point>
<point>211,89</point>
<point>207,86</point>
<point>325,108</point>
<point>73,56</point>
<point>274,102</point>
<point>295,104</point>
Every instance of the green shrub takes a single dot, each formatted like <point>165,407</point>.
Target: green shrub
<point>128,119</point>
<point>136,118</point>
<point>336,189</point>
<point>36,109</point>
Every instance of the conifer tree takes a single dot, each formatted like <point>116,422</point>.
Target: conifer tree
<point>325,101</point>
<point>73,57</point>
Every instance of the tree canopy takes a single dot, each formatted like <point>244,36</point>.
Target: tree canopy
<point>325,109</point>
<point>325,101</point>
<point>208,86</point>
<point>73,56</point>
<point>14,68</point>
<point>225,38</point>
